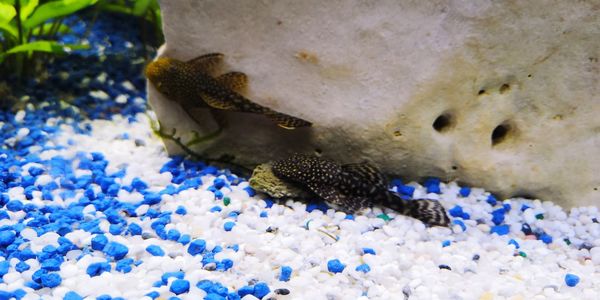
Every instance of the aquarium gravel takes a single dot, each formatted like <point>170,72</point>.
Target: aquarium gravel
<point>94,208</point>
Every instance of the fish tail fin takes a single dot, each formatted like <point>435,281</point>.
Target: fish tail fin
<point>287,121</point>
<point>430,212</point>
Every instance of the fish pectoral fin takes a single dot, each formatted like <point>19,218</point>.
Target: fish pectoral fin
<point>218,103</point>
<point>328,193</point>
<point>208,63</point>
<point>332,195</point>
<point>287,121</point>
<point>236,81</point>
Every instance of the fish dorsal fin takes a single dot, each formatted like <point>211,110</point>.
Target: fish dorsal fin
<point>236,81</point>
<point>208,63</point>
<point>217,103</point>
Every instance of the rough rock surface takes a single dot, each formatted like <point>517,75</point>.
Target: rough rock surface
<point>503,95</point>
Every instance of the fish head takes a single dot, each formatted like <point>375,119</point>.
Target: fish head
<point>161,72</point>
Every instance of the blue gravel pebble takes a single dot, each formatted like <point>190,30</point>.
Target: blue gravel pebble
<point>446,243</point>
<point>228,226</point>
<point>165,277</point>
<point>135,229</point>
<point>180,286</point>
<point>456,211</point>
<point>7,237</point>
<point>261,289</point>
<point>546,238</point>
<point>513,242</point>
<point>98,268</point>
<point>571,279</point>
<point>51,264</point>
<point>14,205</point>
<point>155,250</point>
<point>51,280</point>
<point>99,242</point>
<point>335,266</point>
<point>184,239</point>
<point>498,216</point>
<point>246,290</point>
<point>406,190</point>
<point>263,214</point>
<point>196,247</point>
<point>22,267</point>
<point>491,199</point>
<point>124,265</point>
<point>363,268</point>
<point>116,250</point>
<point>72,296</point>
<point>465,191</point>
<point>251,192</point>
<point>181,210</point>
<point>286,273</point>
<point>460,223</point>
<point>215,209</point>
<point>173,234</point>
<point>4,267</point>
<point>368,251</point>
<point>433,185</point>
<point>500,229</point>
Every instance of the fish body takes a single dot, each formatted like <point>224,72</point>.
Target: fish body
<point>352,187</point>
<point>193,84</point>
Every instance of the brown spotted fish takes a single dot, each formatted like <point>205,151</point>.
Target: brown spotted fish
<point>193,84</point>
<point>352,187</point>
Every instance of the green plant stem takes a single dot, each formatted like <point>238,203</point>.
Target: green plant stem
<point>94,18</point>
<point>54,28</point>
<point>19,57</point>
<point>18,20</point>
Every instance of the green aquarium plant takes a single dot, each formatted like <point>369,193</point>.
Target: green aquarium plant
<point>28,33</point>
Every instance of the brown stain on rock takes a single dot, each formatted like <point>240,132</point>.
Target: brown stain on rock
<point>307,57</point>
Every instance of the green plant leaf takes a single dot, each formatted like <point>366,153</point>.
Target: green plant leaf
<point>27,7</point>
<point>42,46</point>
<point>115,8</point>
<point>7,12</point>
<point>141,7</point>
<point>10,30</point>
<point>54,9</point>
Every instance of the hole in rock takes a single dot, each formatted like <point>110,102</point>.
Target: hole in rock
<point>318,151</point>
<point>481,92</point>
<point>504,88</point>
<point>500,133</point>
<point>442,123</point>
<point>454,168</point>
<point>397,133</point>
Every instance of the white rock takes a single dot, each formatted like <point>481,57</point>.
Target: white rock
<point>401,84</point>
